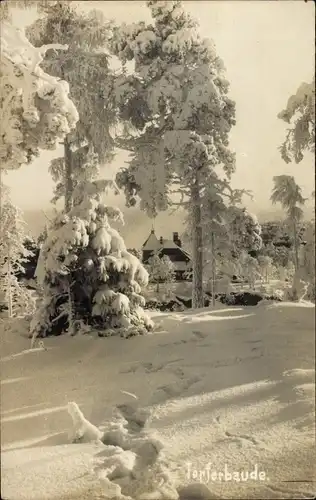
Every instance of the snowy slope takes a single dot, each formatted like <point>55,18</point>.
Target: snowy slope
<point>228,390</point>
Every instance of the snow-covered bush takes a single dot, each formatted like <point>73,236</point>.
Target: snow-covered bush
<point>160,269</point>
<point>86,271</point>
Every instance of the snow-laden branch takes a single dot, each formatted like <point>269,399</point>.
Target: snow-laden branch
<point>36,109</point>
<point>16,47</point>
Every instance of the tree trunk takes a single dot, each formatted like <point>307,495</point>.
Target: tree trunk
<point>296,264</point>
<point>197,253</point>
<point>71,325</point>
<point>213,268</point>
<point>9,291</point>
<point>296,259</point>
<point>0,202</point>
<point>68,176</point>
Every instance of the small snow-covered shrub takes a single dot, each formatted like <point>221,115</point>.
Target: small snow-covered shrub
<point>229,299</point>
<point>279,294</point>
<point>161,270</point>
<point>247,298</point>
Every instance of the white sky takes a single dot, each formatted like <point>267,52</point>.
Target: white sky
<point>268,50</point>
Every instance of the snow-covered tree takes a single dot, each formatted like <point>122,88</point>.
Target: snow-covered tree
<point>86,272</point>
<point>13,254</point>
<point>85,66</point>
<point>307,260</point>
<point>215,231</point>
<point>160,269</point>
<point>227,230</point>
<point>244,231</point>
<point>266,267</point>
<point>177,101</point>
<point>29,265</point>
<point>300,114</point>
<point>250,269</point>
<point>289,195</point>
<point>36,109</point>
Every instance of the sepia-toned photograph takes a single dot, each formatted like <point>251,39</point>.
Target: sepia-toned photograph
<point>157,250</point>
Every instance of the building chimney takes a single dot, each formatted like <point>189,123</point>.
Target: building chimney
<point>161,240</point>
<point>176,239</point>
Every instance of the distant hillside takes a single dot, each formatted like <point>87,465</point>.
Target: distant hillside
<point>138,225</point>
<point>276,213</point>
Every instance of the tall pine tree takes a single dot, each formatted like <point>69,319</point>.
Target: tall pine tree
<point>177,101</point>
<point>85,66</point>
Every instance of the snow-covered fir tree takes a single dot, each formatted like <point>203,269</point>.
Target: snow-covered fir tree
<point>86,273</point>
<point>177,101</point>
<point>161,270</point>
<point>85,66</point>
<point>13,255</point>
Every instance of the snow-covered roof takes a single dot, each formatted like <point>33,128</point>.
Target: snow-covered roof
<point>169,244</point>
<point>152,242</point>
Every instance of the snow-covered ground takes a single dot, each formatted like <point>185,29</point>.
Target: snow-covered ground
<point>227,390</point>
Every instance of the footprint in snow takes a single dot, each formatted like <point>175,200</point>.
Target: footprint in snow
<point>199,334</point>
<point>136,418</point>
<point>241,438</point>
<point>173,390</point>
<point>150,367</point>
